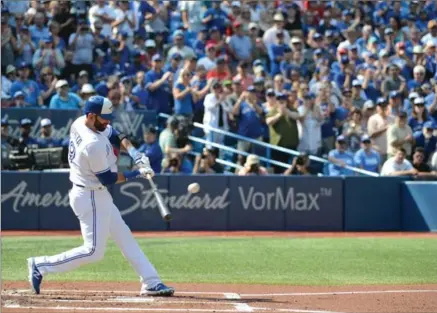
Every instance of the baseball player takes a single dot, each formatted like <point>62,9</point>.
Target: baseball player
<point>92,168</point>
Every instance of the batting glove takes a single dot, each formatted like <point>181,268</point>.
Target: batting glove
<point>146,171</point>
<point>141,160</point>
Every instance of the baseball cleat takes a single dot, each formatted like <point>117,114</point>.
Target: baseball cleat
<point>35,277</point>
<point>159,290</point>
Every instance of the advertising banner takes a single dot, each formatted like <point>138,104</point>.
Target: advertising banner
<point>256,203</point>
<point>21,199</point>
<point>137,204</point>
<point>313,203</point>
<point>55,213</point>
<point>205,210</point>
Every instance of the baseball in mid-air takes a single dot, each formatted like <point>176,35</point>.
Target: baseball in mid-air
<point>193,188</point>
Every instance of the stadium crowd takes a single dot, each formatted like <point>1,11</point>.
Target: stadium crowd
<point>352,81</point>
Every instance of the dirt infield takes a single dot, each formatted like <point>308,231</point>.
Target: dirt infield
<point>124,297</point>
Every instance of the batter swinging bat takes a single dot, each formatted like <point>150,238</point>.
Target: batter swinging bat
<point>165,212</point>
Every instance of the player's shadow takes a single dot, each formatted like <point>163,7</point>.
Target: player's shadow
<point>221,300</point>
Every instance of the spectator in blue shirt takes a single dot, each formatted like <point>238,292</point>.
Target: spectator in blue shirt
<point>419,78</point>
<point>276,53</point>
<point>174,64</point>
<point>419,116</point>
<point>250,116</point>
<point>240,45</point>
<point>426,139</point>
<point>46,140</point>
<point>157,83</point>
<point>140,89</point>
<point>340,158</point>
<point>29,87</point>
<point>38,31</point>
<point>215,17</point>
<point>199,44</point>
<point>367,158</point>
<point>152,149</point>
<point>136,64</point>
<point>346,71</point>
<point>184,95</point>
<point>64,99</point>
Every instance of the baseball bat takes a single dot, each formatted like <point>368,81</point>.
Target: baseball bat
<point>163,209</point>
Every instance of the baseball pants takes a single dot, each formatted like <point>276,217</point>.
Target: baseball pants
<point>99,219</point>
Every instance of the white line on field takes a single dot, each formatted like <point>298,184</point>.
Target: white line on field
<point>240,307</point>
<point>243,307</point>
<point>231,295</point>
<point>69,308</point>
<point>335,293</point>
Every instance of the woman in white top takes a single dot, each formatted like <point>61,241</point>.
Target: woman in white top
<point>216,112</point>
<point>311,119</point>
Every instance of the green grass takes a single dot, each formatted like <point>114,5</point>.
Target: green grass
<point>291,261</point>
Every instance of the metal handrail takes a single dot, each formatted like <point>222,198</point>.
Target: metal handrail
<point>226,148</point>
<point>220,161</point>
<point>270,146</point>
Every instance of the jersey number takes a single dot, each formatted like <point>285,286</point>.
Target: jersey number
<point>71,151</point>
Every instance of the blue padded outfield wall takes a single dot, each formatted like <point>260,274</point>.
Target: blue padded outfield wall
<point>39,201</point>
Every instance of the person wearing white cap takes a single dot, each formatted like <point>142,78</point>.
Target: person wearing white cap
<point>87,91</point>
<point>64,99</point>
<point>46,140</point>
<point>270,35</point>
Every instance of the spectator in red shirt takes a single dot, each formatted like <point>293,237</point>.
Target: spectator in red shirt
<point>221,72</point>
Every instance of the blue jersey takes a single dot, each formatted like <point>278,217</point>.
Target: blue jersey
<point>416,125</point>
<point>368,161</point>
<point>249,123</point>
<point>276,51</point>
<point>29,88</point>
<point>159,99</point>
<point>347,157</point>
<point>218,20</point>
<point>142,93</point>
<point>198,106</point>
<point>185,104</point>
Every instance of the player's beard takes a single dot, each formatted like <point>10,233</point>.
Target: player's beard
<point>99,126</point>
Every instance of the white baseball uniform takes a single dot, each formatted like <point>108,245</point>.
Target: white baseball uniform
<point>91,153</point>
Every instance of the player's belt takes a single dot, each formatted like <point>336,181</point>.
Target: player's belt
<point>90,188</point>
